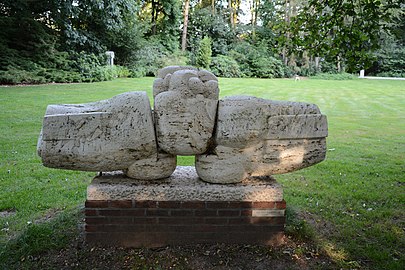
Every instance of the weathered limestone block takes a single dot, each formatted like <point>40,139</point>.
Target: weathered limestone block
<point>225,165</point>
<point>159,166</point>
<point>258,137</point>
<point>101,136</point>
<point>185,109</point>
<point>253,138</point>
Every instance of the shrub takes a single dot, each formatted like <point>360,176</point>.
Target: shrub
<point>399,74</point>
<point>390,63</point>
<point>268,67</point>
<point>174,59</point>
<point>308,71</point>
<point>60,76</point>
<point>204,53</point>
<point>121,72</point>
<point>328,67</point>
<point>256,61</point>
<point>16,76</point>
<point>67,68</point>
<point>225,66</point>
<point>148,60</point>
<point>334,76</point>
<point>89,66</point>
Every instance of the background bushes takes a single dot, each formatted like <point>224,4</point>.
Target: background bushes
<point>63,67</point>
<point>225,66</point>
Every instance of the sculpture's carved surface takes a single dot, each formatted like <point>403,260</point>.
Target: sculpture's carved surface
<point>185,110</point>
<point>158,166</point>
<point>100,136</point>
<point>258,137</point>
<point>233,139</point>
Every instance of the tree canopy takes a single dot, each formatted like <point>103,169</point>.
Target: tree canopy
<point>55,40</point>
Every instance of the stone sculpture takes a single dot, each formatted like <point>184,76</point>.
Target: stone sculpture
<point>233,139</point>
<point>105,135</point>
<point>185,109</point>
<point>258,137</point>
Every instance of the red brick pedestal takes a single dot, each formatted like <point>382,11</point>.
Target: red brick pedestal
<point>148,214</point>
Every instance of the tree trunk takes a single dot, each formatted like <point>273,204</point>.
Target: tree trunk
<point>237,6</point>
<point>254,11</point>
<point>231,12</point>
<point>339,69</point>
<point>154,17</point>
<point>287,33</point>
<point>185,24</point>
<point>234,6</point>
<point>317,58</point>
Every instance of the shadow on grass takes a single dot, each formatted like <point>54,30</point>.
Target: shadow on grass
<point>39,238</point>
<point>307,227</point>
<point>59,241</point>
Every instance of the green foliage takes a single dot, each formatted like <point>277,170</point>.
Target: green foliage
<point>39,238</point>
<point>63,68</point>
<point>334,76</point>
<point>390,63</point>
<point>152,57</point>
<point>174,59</point>
<point>161,20</point>
<point>268,67</point>
<point>255,61</point>
<point>148,60</point>
<point>40,39</point>
<point>328,67</point>
<point>204,53</point>
<point>297,227</point>
<point>121,72</point>
<point>225,66</point>
<point>346,29</point>
<point>307,71</point>
<point>32,47</point>
<point>16,76</point>
<point>204,23</point>
<point>91,25</point>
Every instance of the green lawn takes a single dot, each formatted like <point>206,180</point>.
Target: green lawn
<point>352,204</point>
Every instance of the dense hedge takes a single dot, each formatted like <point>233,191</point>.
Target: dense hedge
<point>225,66</point>
<point>65,68</point>
<point>390,63</point>
<point>334,76</point>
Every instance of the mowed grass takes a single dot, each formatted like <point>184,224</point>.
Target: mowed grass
<point>352,204</point>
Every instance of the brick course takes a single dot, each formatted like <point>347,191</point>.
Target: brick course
<point>158,223</point>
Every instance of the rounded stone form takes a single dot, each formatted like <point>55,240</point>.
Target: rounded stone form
<point>161,166</point>
<point>185,109</point>
<point>256,137</point>
<point>226,166</point>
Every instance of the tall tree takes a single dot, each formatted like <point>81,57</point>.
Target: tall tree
<point>234,8</point>
<point>203,23</point>
<point>165,19</point>
<point>342,30</point>
<point>185,25</point>
<point>254,11</point>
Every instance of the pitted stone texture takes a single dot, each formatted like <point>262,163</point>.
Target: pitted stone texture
<point>106,135</point>
<point>258,137</point>
<point>245,121</point>
<point>185,109</point>
<point>159,166</point>
<point>183,185</point>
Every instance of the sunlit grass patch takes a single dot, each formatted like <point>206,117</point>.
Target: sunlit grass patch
<point>358,191</point>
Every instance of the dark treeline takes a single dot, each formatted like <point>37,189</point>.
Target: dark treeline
<point>66,40</point>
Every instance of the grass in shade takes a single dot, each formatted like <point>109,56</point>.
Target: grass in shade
<point>352,204</point>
